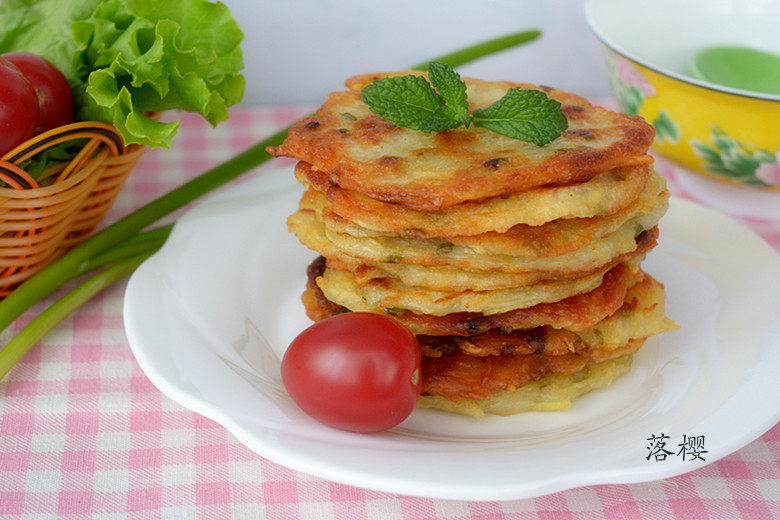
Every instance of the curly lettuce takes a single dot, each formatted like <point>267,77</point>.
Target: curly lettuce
<point>126,58</point>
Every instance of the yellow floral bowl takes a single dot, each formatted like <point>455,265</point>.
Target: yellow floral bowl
<point>727,134</point>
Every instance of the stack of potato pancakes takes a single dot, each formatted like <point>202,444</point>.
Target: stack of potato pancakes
<point>517,266</point>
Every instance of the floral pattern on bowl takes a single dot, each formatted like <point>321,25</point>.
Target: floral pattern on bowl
<point>742,162</point>
<point>725,136</point>
<point>631,88</point>
<point>628,84</point>
<point>666,128</point>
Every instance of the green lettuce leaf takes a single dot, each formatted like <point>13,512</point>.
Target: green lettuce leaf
<point>126,58</point>
<point>43,28</point>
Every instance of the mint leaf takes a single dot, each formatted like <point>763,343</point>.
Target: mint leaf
<point>528,115</point>
<point>408,101</point>
<point>441,121</point>
<point>452,89</point>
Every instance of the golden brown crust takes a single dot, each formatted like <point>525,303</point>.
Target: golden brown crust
<point>540,340</point>
<point>428,172</point>
<point>574,313</point>
<point>553,238</point>
<point>317,306</point>
<point>376,293</point>
<point>457,375</point>
<point>617,189</point>
<point>547,340</point>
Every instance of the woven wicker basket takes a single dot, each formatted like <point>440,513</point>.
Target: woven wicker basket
<point>41,219</point>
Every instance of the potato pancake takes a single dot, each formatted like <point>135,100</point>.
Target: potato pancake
<point>604,194</point>
<point>552,393</point>
<point>641,315</point>
<point>342,288</point>
<point>573,313</point>
<point>447,278</point>
<point>550,239</point>
<point>432,171</point>
<point>438,253</point>
<point>452,279</point>
<point>457,375</point>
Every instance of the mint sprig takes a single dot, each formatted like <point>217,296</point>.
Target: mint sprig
<point>412,102</point>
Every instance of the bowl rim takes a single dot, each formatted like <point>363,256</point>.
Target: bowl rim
<point>610,44</point>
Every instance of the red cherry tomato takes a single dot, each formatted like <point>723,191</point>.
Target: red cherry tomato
<point>18,107</point>
<point>54,96</point>
<point>357,371</point>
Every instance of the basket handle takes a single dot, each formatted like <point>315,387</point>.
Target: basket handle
<point>16,177</point>
<point>97,134</point>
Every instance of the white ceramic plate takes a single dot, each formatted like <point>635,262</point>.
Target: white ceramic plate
<point>209,316</point>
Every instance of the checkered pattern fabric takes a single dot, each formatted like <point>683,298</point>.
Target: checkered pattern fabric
<point>84,434</point>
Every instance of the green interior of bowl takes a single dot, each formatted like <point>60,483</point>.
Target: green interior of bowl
<point>738,67</point>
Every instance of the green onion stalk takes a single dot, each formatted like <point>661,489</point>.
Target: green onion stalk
<point>121,247</point>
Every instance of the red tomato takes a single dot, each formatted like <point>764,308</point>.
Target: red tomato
<point>54,96</point>
<point>18,107</point>
<point>357,371</point>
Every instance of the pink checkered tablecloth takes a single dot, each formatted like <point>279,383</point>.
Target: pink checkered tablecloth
<point>84,434</point>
